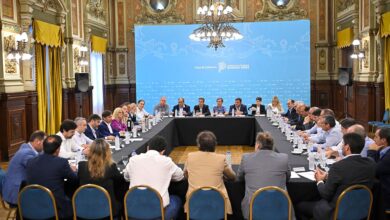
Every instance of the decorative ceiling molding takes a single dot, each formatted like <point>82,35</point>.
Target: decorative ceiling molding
<point>51,5</point>
<point>149,16</point>
<point>291,11</point>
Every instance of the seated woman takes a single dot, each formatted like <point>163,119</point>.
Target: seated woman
<point>257,108</point>
<point>207,168</point>
<point>101,170</point>
<point>275,105</point>
<point>118,122</point>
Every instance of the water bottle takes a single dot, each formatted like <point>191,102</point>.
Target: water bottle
<point>133,153</point>
<point>117,143</point>
<point>229,158</point>
<point>176,113</point>
<point>134,132</point>
<point>129,124</point>
<point>233,112</point>
<point>311,161</point>
<point>127,137</point>
<point>200,110</point>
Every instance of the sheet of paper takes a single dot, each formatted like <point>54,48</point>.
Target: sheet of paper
<point>308,175</point>
<point>136,139</point>
<point>299,169</point>
<point>294,175</point>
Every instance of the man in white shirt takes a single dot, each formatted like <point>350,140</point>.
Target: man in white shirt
<point>68,148</point>
<point>79,137</point>
<point>331,136</point>
<point>336,151</point>
<point>156,170</point>
<point>141,112</point>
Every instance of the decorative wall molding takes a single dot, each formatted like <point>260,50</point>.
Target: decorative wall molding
<point>96,9</point>
<point>148,15</point>
<point>342,5</point>
<point>291,11</point>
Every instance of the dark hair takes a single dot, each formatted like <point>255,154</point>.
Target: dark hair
<point>125,104</point>
<point>239,99</point>
<point>51,144</point>
<point>94,117</point>
<point>106,113</point>
<point>307,108</point>
<point>40,135</point>
<point>141,100</point>
<point>67,125</point>
<point>327,111</point>
<point>292,101</point>
<point>347,122</point>
<point>220,98</point>
<point>259,98</point>
<point>385,133</point>
<point>201,98</point>
<point>157,143</point>
<point>316,112</point>
<point>206,141</point>
<point>355,142</point>
<point>330,120</point>
<point>265,140</point>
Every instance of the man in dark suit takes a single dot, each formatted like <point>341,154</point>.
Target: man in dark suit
<point>257,108</point>
<point>380,152</point>
<point>201,108</point>
<point>181,108</point>
<point>105,130</point>
<point>299,120</point>
<point>49,170</point>
<point>92,127</point>
<point>238,107</point>
<point>16,172</point>
<point>353,169</point>
<point>291,113</point>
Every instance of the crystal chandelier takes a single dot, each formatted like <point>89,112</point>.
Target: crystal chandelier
<point>18,52</point>
<point>216,27</point>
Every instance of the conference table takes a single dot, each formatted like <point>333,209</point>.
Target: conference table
<point>229,131</point>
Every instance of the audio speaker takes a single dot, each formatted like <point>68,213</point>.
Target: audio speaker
<point>82,82</point>
<point>345,76</point>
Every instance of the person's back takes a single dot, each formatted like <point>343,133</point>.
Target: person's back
<point>262,168</point>
<point>49,170</point>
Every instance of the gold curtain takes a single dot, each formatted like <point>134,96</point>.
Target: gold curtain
<point>47,34</point>
<point>385,33</point>
<point>344,37</point>
<point>55,89</point>
<point>40,63</point>
<point>98,44</point>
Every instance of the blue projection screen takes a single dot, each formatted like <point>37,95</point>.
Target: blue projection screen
<point>272,59</point>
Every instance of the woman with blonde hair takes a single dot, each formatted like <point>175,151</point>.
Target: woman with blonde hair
<point>275,105</point>
<point>117,120</point>
<point>101,170</point>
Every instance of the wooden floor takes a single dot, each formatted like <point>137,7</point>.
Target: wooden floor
<point>179,154</point>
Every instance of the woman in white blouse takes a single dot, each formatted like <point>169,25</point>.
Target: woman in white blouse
<point>275,105</point>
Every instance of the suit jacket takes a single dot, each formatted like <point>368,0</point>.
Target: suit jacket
<point>298,122</point>
<point>243,109</point>
<point>291,114</point>
<point>262,109</point>
<point>111,178</point>
<point>208,169</point>
<point>186,108</point>
<point>259,169</point>
<point>16,173</point>
<point>50,171</point>
<point>205,109</point>
<point>342,174</point>
<point>133,118</point>
<point>90,134</point>
<point>104,131</point>
<point>382,173</point>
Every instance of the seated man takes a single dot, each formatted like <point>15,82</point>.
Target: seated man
<point>353,169</point>
<point>181,109</point>
<point>16,172</point>
<point>156,170</point>
<point>315,116</point>
<point>336,151</point>
<point>79,137</point>
<point>69,149</point>
<point>219,109</point>
<point>105,130</point>
<point>257,108</point>
<point>264,167</point>
<point>299,120</point>
<point>380,152</point>
<point>141,112</point>
<point>201,108</point>
<point>162,107</point>
<point>331,136</point>
<point>49,170</point>
<point>359,129</point>
<point>238,108</point>
<point>92,127</point>
<point>309,122</point>
<point>291,113</point>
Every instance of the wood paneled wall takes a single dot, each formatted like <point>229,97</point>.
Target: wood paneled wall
<point>115,95</point>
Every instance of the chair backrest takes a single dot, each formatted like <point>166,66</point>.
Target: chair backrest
<point>270,202</point>
<point>354,203</point>
<point>386,115</point>
<point>36,202</point>
<point>206,203</point>
<point>143,202</point>
<point>2,179</point>
<point>91,201</point>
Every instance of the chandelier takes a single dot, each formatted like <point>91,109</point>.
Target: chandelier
<point>18,52</point>
<point>216,27</point>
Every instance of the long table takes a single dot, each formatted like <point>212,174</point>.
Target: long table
<point>229,131</point>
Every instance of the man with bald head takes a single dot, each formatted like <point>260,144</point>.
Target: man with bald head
<point>162,107</point>
<point>359,129</point>
<point>301,114</point>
